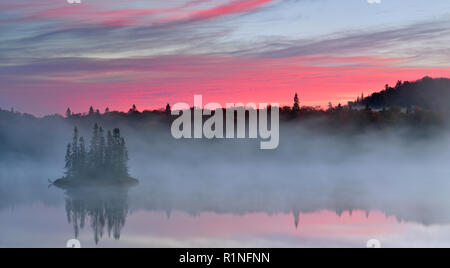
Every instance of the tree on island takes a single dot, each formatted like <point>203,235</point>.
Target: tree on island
<point>106,158</point>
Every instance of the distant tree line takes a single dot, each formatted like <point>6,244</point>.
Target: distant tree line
<point>106,157</point>
<point>132,112</point>
<point>419,103</point>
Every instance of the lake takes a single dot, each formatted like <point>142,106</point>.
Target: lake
<point>230,204</point>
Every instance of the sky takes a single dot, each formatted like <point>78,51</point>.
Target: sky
<point>115,53</point>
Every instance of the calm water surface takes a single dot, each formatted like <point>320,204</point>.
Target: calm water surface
<point>238,210</point>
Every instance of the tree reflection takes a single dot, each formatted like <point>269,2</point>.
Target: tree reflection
<point>104,209</point>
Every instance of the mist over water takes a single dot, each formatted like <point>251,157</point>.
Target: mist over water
<point>221,184</point>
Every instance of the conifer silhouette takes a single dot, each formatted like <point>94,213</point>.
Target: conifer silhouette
<point>296,106</point>
<point>105,159</point>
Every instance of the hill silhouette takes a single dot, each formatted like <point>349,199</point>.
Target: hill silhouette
<point>426,93</point>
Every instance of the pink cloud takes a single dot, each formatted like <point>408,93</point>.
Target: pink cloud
<point>91,14</point>
<point>103,15</point>
<point>230,8</point>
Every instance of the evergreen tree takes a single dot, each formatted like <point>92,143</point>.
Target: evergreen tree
<point>116,150</point>
<point>133,109</point>
<point>124,157</point>
<point>93,152</point>
<point>119,154</point>
<point>108,150</point>
<point>68,161</point>
<point>101,160</point>
<point>296,106</point>
<point>91,111</point>
<point>82,156</point>
<point>330,106</point>
<point>75,148</point>
<point>168,110</point>
<point>68,113</point>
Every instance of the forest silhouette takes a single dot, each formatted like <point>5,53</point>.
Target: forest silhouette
<point>427,93</point>
<point>421,103</point>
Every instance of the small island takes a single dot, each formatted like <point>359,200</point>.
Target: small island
<point>103,164</point>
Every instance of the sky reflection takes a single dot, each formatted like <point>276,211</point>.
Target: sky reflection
<point>42,226</point>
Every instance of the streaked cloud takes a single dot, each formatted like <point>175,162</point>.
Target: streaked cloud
<point>153,51</point>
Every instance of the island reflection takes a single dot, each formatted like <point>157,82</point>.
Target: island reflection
<point>105,210</point>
